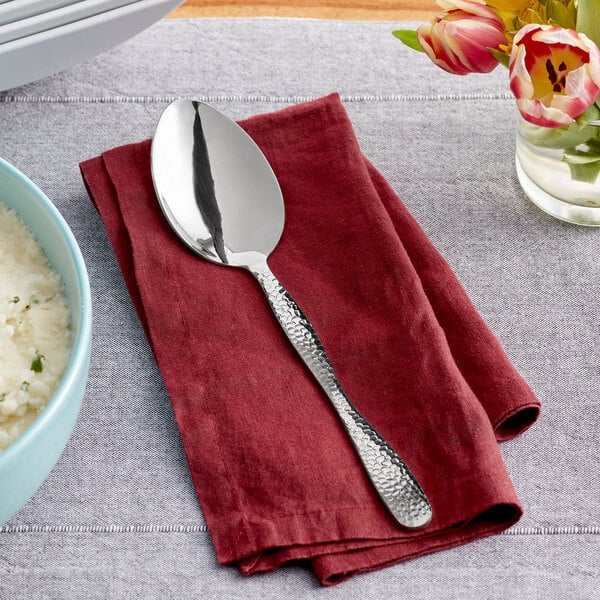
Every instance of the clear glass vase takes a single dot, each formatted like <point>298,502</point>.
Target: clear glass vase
<point>559,169</point>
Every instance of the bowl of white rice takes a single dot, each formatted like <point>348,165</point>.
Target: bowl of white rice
<point>45,337</point>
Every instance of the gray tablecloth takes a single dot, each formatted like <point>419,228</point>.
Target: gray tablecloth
<point>118,517</point>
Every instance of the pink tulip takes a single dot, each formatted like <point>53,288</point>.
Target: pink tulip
<point>554,74</point>
<point>458,40</point>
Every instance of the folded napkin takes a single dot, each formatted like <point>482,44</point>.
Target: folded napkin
<point>275,473</point>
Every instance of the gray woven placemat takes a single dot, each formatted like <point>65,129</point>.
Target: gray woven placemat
<point>118,516</point>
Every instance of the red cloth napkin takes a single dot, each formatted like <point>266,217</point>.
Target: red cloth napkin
<point>275,474</point>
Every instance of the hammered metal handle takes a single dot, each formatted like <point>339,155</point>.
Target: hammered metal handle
<point>393,480</point>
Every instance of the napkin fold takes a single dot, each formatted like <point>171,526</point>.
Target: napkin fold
<point>277,477</point>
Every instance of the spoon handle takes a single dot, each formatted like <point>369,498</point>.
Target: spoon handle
<point>393,480</point>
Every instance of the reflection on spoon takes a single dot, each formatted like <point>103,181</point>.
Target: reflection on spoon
<point>204,189</point>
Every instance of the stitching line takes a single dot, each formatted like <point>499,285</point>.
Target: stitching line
<point>557,530</point>
<point>290,99</point>
<point>12,529</point>
<point>104,529</point>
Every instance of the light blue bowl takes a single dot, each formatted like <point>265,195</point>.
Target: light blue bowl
<point>27,462</point>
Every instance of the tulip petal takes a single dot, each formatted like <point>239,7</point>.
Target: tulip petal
<point>437,53</point>
<point>520,81</point>
<point>537,113</point>
<point>572,107</point>
<point>580,85</point>
<point>472,7</point>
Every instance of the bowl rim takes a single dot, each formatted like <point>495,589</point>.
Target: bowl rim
<point>81,345</point>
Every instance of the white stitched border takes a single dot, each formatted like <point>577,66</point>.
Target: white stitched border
<point>8,99</point>
<point>527,531</point>
<point>555,530</point>
<point>104,529</point>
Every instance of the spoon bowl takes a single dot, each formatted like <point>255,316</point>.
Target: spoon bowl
<point>221,197</point>
<point>229,202</point>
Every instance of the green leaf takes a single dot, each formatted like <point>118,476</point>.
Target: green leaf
<point>501,57</point>
<point>590,115</point>
<point>588,19</point>
<point>585,173</point>
<point>560,15</point>
<point>557,137</point>
<point>409,38</point>
<point>584,164</point>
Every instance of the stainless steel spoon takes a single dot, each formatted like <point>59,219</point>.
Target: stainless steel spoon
<point>220,195</point>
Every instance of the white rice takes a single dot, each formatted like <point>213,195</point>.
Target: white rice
<point>34,328</point>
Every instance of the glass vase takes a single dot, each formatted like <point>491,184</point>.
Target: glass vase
<point>559,169</point>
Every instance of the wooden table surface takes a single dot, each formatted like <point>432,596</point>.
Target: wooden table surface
<point>363,10</point>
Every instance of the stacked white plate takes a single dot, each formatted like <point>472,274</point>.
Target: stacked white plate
<point>41,37</point>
